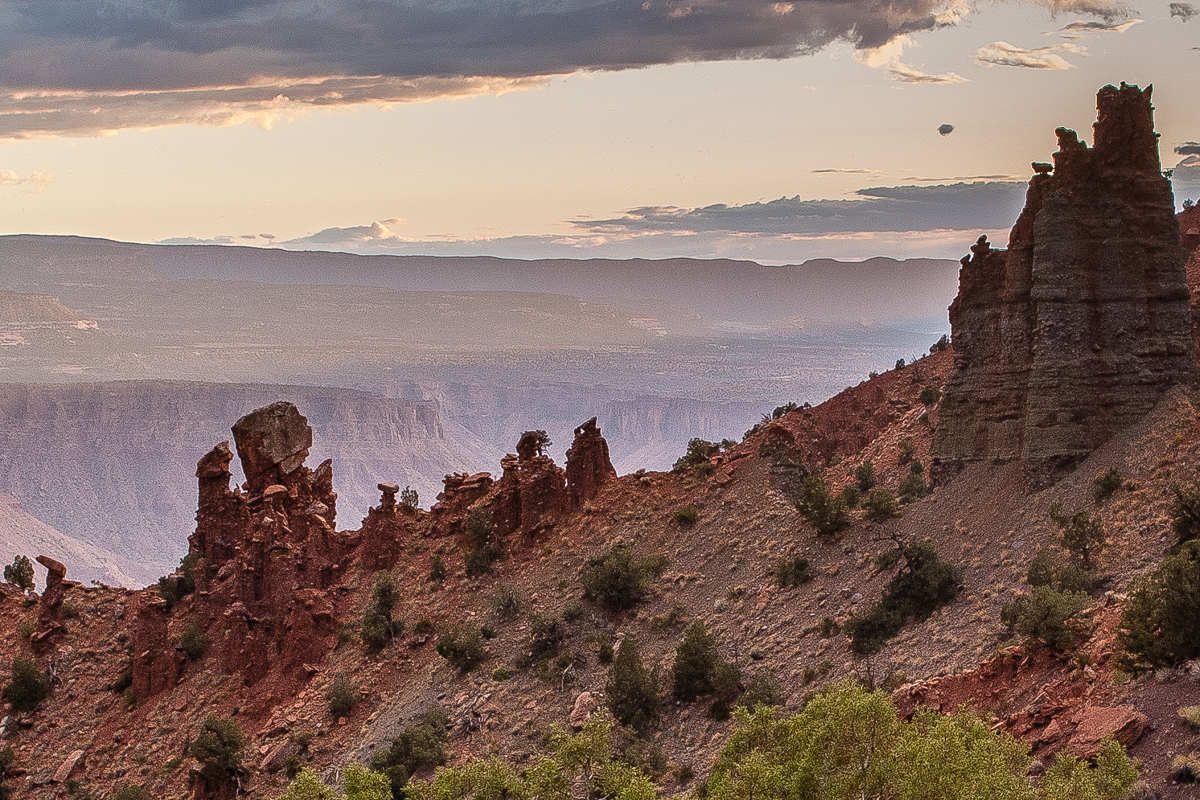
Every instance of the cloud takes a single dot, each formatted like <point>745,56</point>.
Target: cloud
<point>1077,30</point>
<point>887,58</point>
<point>1185,179</point>
<point>965,178</point>
<point>1188,149</point>
<point>1009,55</point>
<point>94,67</point>
<point>960,206</point>
<point>848,171</point>
<point>37,180</point>
<point>946,129</point>
<point>1184,11</point>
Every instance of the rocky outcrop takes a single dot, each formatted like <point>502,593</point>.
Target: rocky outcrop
<point>49,624</point>
<point>1080,326</point>
<point>272,443</point>
<point>385,530</point>
<point>588,464</point>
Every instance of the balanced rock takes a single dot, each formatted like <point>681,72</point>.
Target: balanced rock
<point>1080,326</point>
<point>271,442</point>
<point>588,464</point>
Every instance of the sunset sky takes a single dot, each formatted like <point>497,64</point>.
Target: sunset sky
<point>776,131</point>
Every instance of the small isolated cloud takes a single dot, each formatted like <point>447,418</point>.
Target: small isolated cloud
<point>905,74</point>
<point>848,171</point>
<point>964,178</point>
<point>375,233</point>
<point>1077,30</point>
<point>1184,11</point>
<point>1188,149</point>
<point>946,129</point>
<point>1004,54</point>
<point>37,180</point>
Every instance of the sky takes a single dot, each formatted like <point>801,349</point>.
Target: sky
<point>772,131</point>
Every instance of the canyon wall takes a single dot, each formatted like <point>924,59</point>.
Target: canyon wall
<point>1079,327</point>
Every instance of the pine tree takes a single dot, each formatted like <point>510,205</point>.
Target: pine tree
<point>632,689</point>
<point>695,659</point>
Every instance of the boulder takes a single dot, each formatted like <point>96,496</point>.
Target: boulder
<point>1096,724</point>
<point>272,442</point>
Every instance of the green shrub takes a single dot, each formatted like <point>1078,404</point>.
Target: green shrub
<point>1160,620</point>
<point>1185,768</point>
<point>218,748</point>
<point>173,588</point>
<point>1106,485</point>
<point>930,395</point>
<point>501,673</point>
<point>617,580</point>
<point>827,514</point>
<point>848,744</point>
<point>420,745</point>
<point>130,791</point>
<point>341,695</point>
<point>850,495</point>
<point>697,457</point>
<point>1048,569</point>
<point>762,690</point>
<point>632,690</point>
<point>482,546</point>
<point>726,682</point>
<point>546,635</point>
<point>1185,513</point>
<point>907,450</point>
<point>409,497</point>
<point>424,625</point>
<point>1082,534</point>
<point>900,363</point>
<point>605,656</point>
<point>676,613</point>
<point>462,646</point>
<point>686,517</point>
<point>437,570</point>
<point>1191,716</point>
<point>28,686</point>
<point>792,572</point>
<point>940,345</point>
<point>1042,617</point>
<point>695,659</point>
<point>20,573</point>
<point>193,642</point>
<point>306,785</point>
<point>829,628</point>
<point>505,601</point>
<point>379,627</point>
<point>572,611</point>
<point>880,504</point>
<point>913,487</point>
<point>922,585</point>
<point>864,476</point>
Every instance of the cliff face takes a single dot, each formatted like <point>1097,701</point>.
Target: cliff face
<point>109,463</point>
<point>1079,327</point>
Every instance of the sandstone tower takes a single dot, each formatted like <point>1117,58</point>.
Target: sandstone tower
<point>1080,326</point>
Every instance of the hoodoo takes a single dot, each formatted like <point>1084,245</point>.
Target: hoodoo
<point>1077,329</point>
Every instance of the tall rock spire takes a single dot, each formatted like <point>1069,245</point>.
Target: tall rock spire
<point>1079,327</point>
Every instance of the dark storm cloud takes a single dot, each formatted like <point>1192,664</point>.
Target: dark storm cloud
<point>961,206</point>
<point>1188,149</point>
<point>946,129</point>
<point>1184,11</point>
<point>88,67</point>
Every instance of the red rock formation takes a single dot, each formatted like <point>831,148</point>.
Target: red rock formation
<point>1079,327</point>
<point>385,530</point>
<point>155,661</point>
<point>588,464</point>
<point>460,493</point>
<point>49,624</point>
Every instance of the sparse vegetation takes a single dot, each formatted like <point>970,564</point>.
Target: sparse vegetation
<point>1185,768</point>
<point>913,487</point>
<point>341,695</point>
<point>695,659</point>
<point>930,395</point>
<point>617,579</point>
<point>420,745</point>
<point>1082,534</point>
<point>379,627</point>
<point>424,625</point>
<point>546,635</point>
<point>1185,513</point>
<point>462,646</point>
<point>907,450</point>
<point>827,514</point>
<point>792,572</point>
<point>696,459</point>
<point>864,476</point>
<point>218,748</point>
<point>676,613</point>
<point>409,497</point>
<point>506,602</point>
<point>1191,716</point>
<point>1160,621</point>
<point>130,791</point>
<point>922,585</point>
<point>900,363</point>
<point>880,504</point>
<point>483,547</point>
<point>173,588</point>
<point>940,345</point>
<point>27,686</point>
<point>1043,617</point>
<point>20,573</point>
<point>193,642</point>
<point>762,690</point>
<point>1106,485</point>
<point>632,690</point>
<point>437,570</point>
<point>686,517</point>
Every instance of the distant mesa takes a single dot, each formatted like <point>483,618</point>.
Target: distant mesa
<point>1078,328</point>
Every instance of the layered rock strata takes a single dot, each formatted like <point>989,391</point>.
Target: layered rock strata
<point>1080,326</point>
